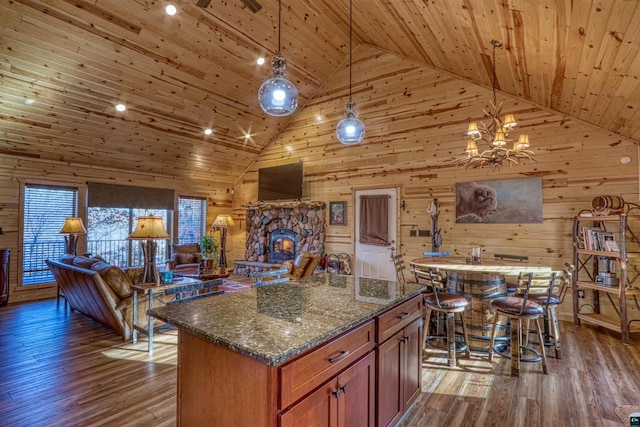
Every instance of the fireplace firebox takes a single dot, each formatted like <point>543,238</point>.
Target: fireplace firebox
<point>282,245</point>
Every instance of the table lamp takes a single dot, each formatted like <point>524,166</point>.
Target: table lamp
<point>148,229</point>
<point>222,222</point>
<point>72,228</point>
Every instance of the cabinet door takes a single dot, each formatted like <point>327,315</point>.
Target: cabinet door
<point>412,371</point>
<point>319,409</point>
<point>356,404</point>
<point>390,402</point>
<point>399,373</point>
<point>347,400</point>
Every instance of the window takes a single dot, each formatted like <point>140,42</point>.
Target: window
<point>111,217</point>
<point>45,209</point>
<point>108,230</point>
<point>192,217</point>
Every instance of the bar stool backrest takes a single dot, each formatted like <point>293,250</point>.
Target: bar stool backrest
<point>398,263</point>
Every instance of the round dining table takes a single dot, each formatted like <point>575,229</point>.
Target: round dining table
<point>459,264</point>
<point>479,283</point>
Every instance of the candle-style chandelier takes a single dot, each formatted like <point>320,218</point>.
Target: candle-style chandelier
<point>495,135</point>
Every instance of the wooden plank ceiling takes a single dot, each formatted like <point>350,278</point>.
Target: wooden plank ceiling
<point>65,64</point>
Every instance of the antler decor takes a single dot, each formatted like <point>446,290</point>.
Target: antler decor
<point>496,135</point>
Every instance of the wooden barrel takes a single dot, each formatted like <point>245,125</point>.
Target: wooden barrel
<point>479,289</point>
<point>601,203</point>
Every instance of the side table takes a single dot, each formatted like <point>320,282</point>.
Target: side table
<point>178,288</point>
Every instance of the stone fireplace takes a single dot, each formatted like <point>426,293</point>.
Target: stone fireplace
<point>277,231</point>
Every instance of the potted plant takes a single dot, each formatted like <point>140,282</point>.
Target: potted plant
<point>208,246</point>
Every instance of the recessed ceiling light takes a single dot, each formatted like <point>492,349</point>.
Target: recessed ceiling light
<point>289,148</point>
<point>121,107</point>
<point>625,160</point>
<point>170,10</point>
<point>208,131</point>
<point>260,61</point>
<point>319,118</point>
<point>29,101</point>
<point>247,135</point>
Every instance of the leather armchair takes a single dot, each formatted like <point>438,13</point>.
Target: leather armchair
<point>185,257</point>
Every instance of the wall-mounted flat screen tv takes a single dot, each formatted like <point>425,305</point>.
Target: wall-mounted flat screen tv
<point>280,182</point>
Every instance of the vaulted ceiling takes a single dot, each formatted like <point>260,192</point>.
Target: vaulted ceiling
<point>65,64</point>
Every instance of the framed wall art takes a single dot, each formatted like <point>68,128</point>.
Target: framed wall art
<point>500,201</point>
<point>337,213</point>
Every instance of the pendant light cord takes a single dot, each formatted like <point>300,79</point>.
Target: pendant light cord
<point>280,25</point>
<point>350,42</point>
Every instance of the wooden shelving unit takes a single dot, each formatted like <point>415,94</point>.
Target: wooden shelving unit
<point>588,263</point>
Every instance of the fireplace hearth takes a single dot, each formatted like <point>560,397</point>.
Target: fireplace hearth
<point>282,245</point>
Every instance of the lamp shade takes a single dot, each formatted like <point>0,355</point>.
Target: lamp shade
<point>223,220</point>
<point>73,226</point>
<point>149,227</point>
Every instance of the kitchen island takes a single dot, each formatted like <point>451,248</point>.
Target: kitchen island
<point>299,353</point>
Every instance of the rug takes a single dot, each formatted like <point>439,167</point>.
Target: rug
<point>231,286</point>
<point>624,411</point>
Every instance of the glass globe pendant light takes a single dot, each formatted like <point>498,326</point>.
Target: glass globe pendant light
<point>278,96</point>
<point>350,130</point>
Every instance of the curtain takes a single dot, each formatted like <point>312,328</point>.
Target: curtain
<point>374,220</point>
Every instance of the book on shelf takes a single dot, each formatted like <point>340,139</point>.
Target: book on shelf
<point>597,239</point>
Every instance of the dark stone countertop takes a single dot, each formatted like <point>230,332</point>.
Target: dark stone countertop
<point>274,323</point>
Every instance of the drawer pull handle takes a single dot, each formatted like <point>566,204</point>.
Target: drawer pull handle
<point>404,315</point>
<point>343,354</point>
<point>344,388</point>
<point>336,393</point>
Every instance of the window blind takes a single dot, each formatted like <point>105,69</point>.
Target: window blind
<point>125,196</point>
<point>45,210</point>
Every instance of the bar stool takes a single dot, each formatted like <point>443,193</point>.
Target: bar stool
<point>549,301</point>
<point>521,309</point>
<point>439,301</point>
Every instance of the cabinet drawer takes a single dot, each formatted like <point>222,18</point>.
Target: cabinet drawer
<point>398,317</point>
<point>308,371</point>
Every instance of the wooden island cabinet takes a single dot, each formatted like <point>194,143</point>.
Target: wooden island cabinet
<point>300,353</point>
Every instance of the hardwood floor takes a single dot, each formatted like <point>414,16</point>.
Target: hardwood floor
<point>60,368</point>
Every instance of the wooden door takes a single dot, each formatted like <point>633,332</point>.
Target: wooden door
<point>371,260</point>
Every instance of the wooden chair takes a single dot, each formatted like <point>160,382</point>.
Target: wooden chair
<point>521,310</point>
<point>398,264</point>
<point>549,301</point>
<point>270,277</point>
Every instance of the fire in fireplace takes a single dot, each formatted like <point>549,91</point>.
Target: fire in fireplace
<point>282,245</point>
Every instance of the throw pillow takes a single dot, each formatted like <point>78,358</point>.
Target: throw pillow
<point>191,258</point>
<point>288,264</point>
<point>113,276</point>
<point>67,259</point>
<point>300,263</point>
<point>84,262</point>
<point>135,274</point>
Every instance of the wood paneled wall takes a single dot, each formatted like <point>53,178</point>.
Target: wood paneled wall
<point>15,171</point>
<point>416,119</point>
